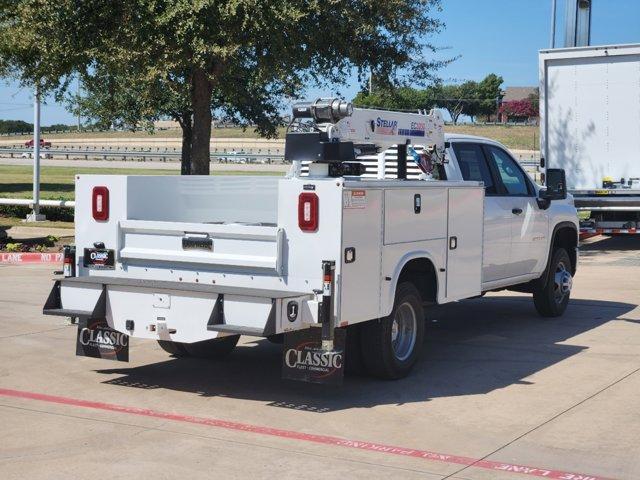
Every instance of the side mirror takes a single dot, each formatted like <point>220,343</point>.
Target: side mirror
<point>556,185</point>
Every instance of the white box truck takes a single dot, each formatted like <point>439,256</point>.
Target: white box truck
<point>195,262</point>
<point>590,127</point>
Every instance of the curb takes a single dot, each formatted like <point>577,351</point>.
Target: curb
<point>31,258</point>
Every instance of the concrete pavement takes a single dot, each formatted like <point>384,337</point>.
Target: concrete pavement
<point>495,382</point>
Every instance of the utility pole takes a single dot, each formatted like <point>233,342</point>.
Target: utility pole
<point>78,103</point>
<point>370,80</point>
<point>578,23</point>
<point>35,215</point>
<point>552,41</point>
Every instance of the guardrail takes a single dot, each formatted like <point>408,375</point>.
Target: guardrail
<point>124,154</point>
<point>43,203</point>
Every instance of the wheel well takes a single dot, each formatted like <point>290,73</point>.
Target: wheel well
<point>567,238</point>
<point>422,273</point>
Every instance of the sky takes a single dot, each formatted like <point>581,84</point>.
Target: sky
<point>489,36</point>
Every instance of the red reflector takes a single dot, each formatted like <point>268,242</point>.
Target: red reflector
<point>308,212</point>
<point>100,203</point>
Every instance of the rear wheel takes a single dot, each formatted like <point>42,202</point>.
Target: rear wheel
<point>552,298</point>
<point>214,348</point>
<point>390,346</point>
<point>174,348</point>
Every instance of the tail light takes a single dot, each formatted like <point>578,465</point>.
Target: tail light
<point>100,203</point>
<point>69,265</point>
<point>308,212</point>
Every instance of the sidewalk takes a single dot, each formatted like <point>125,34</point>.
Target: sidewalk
<point>26,233</point>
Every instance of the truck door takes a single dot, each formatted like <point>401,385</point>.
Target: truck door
<point>497,212</point>
<point>529,225</point>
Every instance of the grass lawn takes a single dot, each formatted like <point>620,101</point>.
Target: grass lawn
<point>517,137</point>
<point>57,183</point>
<point>7,222</point>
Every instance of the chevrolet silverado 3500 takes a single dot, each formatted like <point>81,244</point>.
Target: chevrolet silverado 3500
<point>338,260</point>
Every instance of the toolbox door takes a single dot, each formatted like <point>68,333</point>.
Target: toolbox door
<point>361,250</point>
<point>464,243</point>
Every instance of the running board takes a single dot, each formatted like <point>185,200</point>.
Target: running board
<point>216,322</point>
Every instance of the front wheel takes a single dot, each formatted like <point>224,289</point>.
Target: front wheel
<point>390,346</point>
<point>551,298</point>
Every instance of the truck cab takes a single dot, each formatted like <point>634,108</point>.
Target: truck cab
<point>520,228</point>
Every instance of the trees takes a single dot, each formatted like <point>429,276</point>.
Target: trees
<point>489,92</point>
<point>469,98</point>
<point>143,59</point>
<point>15,126</point>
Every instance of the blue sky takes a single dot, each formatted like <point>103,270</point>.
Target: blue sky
<point>491,36</point>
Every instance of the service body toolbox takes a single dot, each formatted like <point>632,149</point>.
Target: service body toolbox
<point>186,260</point>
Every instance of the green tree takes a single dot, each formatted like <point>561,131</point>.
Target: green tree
<point>489,94</point>
<point>143,59</point>
<point>15,126</point>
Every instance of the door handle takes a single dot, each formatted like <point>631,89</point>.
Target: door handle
<point>516,211</point>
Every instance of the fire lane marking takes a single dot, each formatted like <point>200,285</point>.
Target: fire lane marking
<point>306,437</point>
<point>17,258</point>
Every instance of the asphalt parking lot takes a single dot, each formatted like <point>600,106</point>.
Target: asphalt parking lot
<point>499,393</point>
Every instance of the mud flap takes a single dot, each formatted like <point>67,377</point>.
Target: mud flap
<point>96,339</point>
<point>305,360</point>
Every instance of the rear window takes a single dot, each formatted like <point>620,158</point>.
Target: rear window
<point>473,165</point>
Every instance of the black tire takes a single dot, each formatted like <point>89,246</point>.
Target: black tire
<point>552,296</point>
<point>174,348</point>
<point>382,357</point>
<point>215,348</point>
<point>354,364</point>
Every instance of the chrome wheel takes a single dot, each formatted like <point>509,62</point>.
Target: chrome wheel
<point>562,283</point>
<point>404,331</point>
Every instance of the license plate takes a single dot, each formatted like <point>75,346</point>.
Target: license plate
<point>98,258</point>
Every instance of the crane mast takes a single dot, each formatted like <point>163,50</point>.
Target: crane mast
<point>336,132</point>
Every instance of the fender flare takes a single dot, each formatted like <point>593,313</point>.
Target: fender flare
<point>557,227</point>
<point>406,258</point>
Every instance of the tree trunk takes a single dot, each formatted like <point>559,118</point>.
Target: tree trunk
<point>186,123</point>
<point>201,90</point>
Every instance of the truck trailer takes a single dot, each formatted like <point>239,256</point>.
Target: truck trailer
<point>590,127</point>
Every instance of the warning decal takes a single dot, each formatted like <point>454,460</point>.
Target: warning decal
<point>355,199</point>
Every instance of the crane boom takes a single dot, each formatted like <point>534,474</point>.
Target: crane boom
<point>336,128</point>
<point>387,128</point>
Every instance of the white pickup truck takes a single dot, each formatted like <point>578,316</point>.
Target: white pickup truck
<point>338,260</point>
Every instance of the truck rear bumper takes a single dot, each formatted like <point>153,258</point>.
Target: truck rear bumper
<point>181,312</point>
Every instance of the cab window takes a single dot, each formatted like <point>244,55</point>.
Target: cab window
<point>509,172</point>
<point>473,165</point>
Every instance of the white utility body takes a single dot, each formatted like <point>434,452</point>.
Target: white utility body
<point>590,126</point>
<point>193,262</point>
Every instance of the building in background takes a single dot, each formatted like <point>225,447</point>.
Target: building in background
<point>520,105</point>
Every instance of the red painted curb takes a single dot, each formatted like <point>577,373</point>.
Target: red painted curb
<point>306,437</point>
<point>31,257</point>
